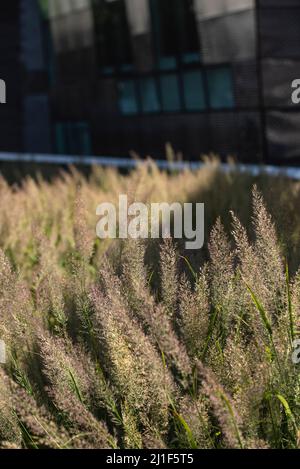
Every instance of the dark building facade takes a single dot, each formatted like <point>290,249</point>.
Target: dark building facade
<point>10,72</point>
<point>25,117</point>
<point>105,77</point>
<point>135,74</point>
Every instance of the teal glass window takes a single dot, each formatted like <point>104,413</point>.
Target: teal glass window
<point>170,97</point>
<point>191,58</point>
<point>220,88</point>
<point>149,96</point>
<point>167,63</point>
<point>73,138</point>
<point>194,95</point>
<point>127,97</point>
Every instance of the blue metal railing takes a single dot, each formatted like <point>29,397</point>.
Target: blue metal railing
<point>128,163</point>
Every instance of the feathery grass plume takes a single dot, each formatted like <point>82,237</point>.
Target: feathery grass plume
<point>266,242</point>
<point>49,287</point>
<point>132,363</point>
<point>278,422</point>
<point>82,276</point>
<point>295,302</point>
<point>195,425</point>
<point>9,428</point>
<point>265,279</point>
<point>6,273</point>
<point>132,437</point>
<point>221,269</point>
<point>134,275</point>
<point>7,281</point>
<point>80,259</point>
<point>18,319</point>
<point>172,349</point>
<point>268,252</point>
<point>84,237</point>
<point>70,388</point>
<point>37,426</point>
<point>49,295</point>
<point>152,316</point>
<point>142,307</point>
<point>244,373</point>
<point>194,310</point>
<point>251,277</point>
<point>153,437</point>
<point>223,408</point>
<point>169,277</point>
<point>224,297</point>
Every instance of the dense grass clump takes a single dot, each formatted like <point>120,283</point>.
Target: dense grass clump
<point>139,344</point>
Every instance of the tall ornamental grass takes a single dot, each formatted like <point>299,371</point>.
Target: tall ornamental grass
<point>139,344</point>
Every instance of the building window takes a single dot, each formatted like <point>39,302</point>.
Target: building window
<point>179,81</point>
<point>127,97</point>
<point>149,95</point>
<point>170,96</point>
<point>73,138</point>
<point>220,88</point>
<point>194,95</point>
<point>175,34</point>
<point>189,38</point>
<point>112,36</point>
<point>202,88</point>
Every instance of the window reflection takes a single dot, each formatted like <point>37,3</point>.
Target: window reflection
<point>150,48</point>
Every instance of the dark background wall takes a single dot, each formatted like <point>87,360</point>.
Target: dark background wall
<point>11,73</point>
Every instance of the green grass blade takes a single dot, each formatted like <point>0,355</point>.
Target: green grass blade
<point>231,413</point>
<point>287,409</point>
<point>185,427</point>
<point>189,266</point>
<point>261,311</point>
<point>76,387</point>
